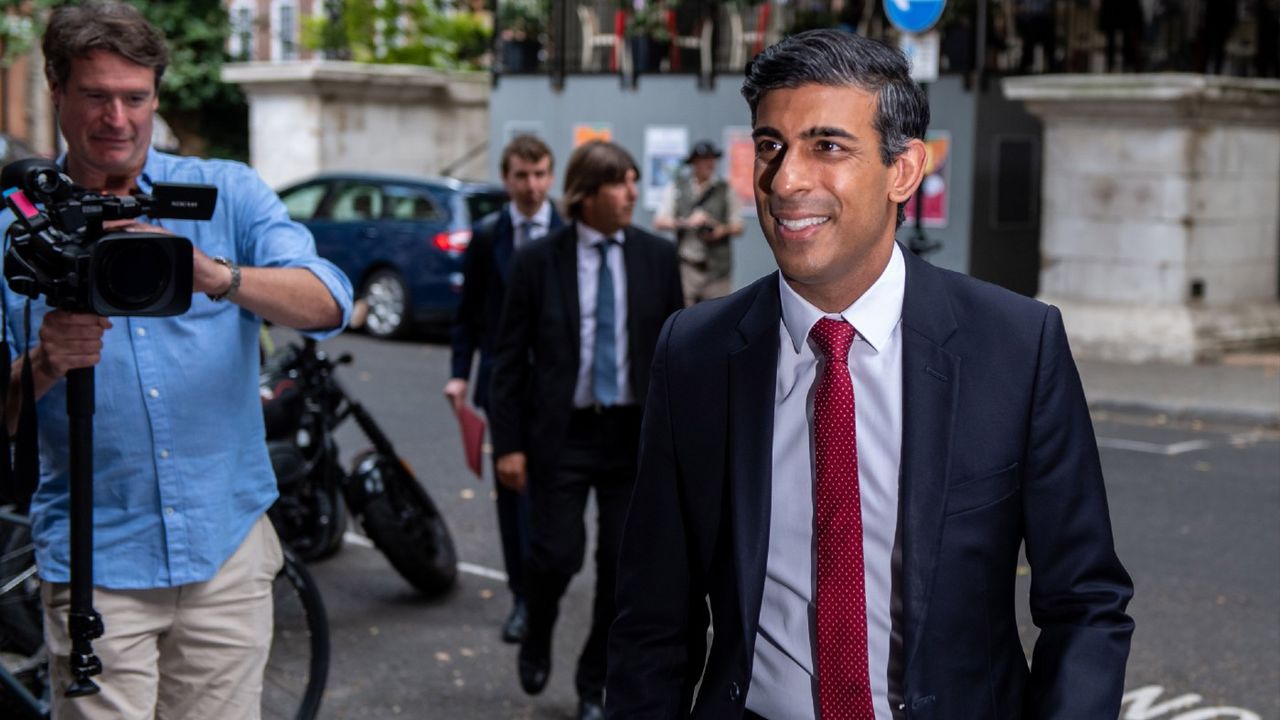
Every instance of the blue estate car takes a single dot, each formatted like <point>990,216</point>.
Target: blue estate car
<point>400,239</point>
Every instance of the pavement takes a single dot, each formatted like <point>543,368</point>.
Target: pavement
<point>1241,388</point>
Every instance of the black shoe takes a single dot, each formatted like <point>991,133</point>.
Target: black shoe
<point>517,622</point>
<point>590,710</point>
<point>534,665</point>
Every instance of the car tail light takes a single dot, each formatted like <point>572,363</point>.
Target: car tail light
<point>455,241</point>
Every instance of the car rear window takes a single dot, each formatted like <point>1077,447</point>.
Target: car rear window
<point>302,202</point>
<point>357,201</point>
<point>482,204</point>
<point>406,203</point>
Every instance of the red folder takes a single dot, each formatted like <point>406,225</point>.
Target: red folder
<point>472,425</point>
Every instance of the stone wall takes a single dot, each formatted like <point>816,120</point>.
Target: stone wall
<point>310,117</point>
<point>1160,231</point>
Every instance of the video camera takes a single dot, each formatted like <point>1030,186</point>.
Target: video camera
<point>64,253</point>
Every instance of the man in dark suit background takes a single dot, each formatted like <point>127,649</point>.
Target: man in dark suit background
<point>841,461</point>
<point>527,174</point>
<point>579,324</point>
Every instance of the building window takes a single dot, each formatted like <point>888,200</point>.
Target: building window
<point>284,34</point>
<point>240,41</point>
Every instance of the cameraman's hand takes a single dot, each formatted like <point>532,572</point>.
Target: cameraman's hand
<point>208,276</point>
<point>68,341</point>
<point>511,471</point>
<point>135,226</point>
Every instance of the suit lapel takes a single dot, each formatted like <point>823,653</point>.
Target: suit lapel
<point>633,264</point>
<point>566,259</point>
<point>752,377</point>
<point>504,244</point>
<point>930,387</point>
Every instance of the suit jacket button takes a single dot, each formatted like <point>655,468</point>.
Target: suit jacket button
<point>734,692</point>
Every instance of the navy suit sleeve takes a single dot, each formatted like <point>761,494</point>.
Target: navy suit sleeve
<point>1079,590</point>
<point>648,643</point>
<point>512,372</point>
<point>466,324</point>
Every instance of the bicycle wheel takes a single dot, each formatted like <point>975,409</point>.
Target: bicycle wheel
<point>298,666</point>
<point>402,521</point>
<point>21,617</point>
<point>24,672</point>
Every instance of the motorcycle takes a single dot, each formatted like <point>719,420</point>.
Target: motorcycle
<point>303,404</point>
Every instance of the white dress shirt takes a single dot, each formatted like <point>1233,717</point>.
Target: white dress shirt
<point>784,685</point>
<point>588,272</point>
<point>539,224</point>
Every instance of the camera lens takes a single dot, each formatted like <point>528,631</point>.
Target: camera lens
<point>133,274</point>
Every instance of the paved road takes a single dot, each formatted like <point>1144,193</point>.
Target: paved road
<point>1196,509</point>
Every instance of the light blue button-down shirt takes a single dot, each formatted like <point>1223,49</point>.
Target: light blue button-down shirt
<point>181,470</point>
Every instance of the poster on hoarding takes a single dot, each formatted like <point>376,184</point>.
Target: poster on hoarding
<point>937,176</point>
<point>739,165</point>
<point>586,132</point>
<point>665,148</point>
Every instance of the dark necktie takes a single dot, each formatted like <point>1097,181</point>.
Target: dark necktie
<point>526,231</point>
<point>844,685</point>
<point>604,365</point>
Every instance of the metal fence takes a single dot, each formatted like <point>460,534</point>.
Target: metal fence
<point>707,38</point>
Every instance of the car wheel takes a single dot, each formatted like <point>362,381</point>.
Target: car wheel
<point>385,294</point>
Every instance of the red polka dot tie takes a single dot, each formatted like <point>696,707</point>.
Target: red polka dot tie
<point>844,687</point>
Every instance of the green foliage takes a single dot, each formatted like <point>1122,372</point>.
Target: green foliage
<point>20,27</point>
<point>523,19</point>
<point>193,97</point>
<point>649,19</point>
<point>416,33</point>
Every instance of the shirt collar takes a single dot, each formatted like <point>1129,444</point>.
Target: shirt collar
<point>590,237</point>
<point>542,218</point>
<point>874,315</point>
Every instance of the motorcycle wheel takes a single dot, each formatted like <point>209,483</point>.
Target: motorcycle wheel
<point>404,523</point>
<point>309,515</point>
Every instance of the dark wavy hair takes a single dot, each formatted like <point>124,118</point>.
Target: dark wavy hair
<point>839,58</point>
<point>75,31</point>
<point>592,166</point>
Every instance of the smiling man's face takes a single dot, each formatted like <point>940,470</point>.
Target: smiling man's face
<point>826,201</point>
<point>105,111</point>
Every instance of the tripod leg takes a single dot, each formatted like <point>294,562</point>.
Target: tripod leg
<point>83,622</point>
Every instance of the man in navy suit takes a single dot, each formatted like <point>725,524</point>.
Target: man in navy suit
<point>527,175</point>
<point>579,324</point>
<point>841,461</point>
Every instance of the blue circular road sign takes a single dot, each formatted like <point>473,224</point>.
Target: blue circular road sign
<point>913,16</point>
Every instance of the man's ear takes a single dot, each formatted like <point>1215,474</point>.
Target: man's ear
<point>908,171</point>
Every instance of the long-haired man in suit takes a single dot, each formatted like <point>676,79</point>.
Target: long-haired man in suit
<point>527,174</point>
<point>581,317</point>
<point>841,461</point>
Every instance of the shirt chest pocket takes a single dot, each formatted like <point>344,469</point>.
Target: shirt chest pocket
<point>984,489</point>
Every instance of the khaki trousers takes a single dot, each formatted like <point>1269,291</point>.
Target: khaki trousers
<point>699,285</point>
<point>192,652</point>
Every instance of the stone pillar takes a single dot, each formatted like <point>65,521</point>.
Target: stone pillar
<point>311,117</point>
<point>1160,223</point>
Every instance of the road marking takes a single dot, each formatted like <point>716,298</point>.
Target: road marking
<point>1143,706</point>
<point>1238,440</point>
<point>482,571</point>
<point>356,539</point>
<point>353,538</point>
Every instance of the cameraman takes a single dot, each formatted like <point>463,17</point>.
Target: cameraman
<point>184,555</point>
<point>705,214</point>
